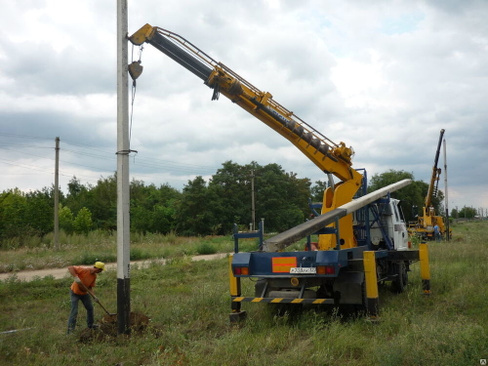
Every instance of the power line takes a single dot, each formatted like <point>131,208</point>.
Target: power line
<point>139,162</point>
<point>104,154</point>
<point>90,158</point>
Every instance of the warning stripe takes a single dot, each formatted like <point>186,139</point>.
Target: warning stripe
<point>280,300</point>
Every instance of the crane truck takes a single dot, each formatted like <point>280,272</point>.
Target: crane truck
<point>424,225</point>
<point>362,239</point>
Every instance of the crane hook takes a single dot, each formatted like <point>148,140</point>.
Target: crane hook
<point>135,69</point>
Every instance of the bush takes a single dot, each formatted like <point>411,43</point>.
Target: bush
<point>90,258</point>
<point>83,222</point>
<point>206,248</point>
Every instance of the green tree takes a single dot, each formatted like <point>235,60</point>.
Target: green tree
<point>83,221</point>
<point>163,218</point>
<point>468,212</point>
<point>12,212</point>
<point>39,212</point>
<point>454,213</point>
<point>231,187</point>
<point>410,196</point>
<point>66,219</point>
<point>101,200</point>
<point>195,216</point>
<point>165,201</point>
<point>153,209</point>
<point>282,198</point>
<point>77,196</point>
<point>317,191</point>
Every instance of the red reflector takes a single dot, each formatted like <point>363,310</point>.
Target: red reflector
<point>326,270</point>
<point>329,270</point>
<point>241,271</point>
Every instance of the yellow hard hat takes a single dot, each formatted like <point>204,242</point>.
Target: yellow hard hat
<point>99,265</point>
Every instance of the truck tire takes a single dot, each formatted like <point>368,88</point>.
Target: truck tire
<point>400,282</point>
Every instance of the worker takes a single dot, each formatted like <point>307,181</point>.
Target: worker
<point>437,233</point>
<point>81,290</point>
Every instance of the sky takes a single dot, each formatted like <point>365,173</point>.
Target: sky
<point>382,76</point>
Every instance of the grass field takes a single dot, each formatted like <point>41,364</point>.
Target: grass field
<point>188,303</point>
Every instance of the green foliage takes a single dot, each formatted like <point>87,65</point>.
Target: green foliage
<point>195,214</point>
<point>102,202</point>
<point>137,254</point>
<point>66,219</point>
<point>12,212</point>
<point>411,197</point>
<point>23,216</point>
<point>206,248</point>
<point>467,212</point>
<point>88,258</point>
<point>317,191</point>
<point>83,223</point>
<point>202,208</point>
<point>282,198</point>
<point>39,210</point>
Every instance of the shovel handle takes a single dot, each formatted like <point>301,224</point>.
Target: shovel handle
<point>94,297</point>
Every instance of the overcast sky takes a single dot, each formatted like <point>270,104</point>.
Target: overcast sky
<point>382,76</point>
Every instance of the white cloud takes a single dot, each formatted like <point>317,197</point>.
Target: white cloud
<point>384,78</point>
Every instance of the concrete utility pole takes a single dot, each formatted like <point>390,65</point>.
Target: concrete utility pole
<point>446,197</point>
<point>56,196</point>
<point>253,204</point>
<point>123,192</point>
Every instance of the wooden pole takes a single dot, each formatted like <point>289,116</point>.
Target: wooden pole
<point>56,196</point>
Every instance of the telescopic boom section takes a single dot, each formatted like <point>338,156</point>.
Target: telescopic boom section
<point>328,156</point>
<point>435,174</point>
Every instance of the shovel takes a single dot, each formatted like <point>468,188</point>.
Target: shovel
<point>95,298</point>
<point>103,307</point>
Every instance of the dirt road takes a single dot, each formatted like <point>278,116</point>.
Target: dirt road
<point>58,273</point>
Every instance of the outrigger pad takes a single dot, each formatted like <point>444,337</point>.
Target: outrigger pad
<point>238,316</point>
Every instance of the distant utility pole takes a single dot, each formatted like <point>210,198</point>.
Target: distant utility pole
<point>253,205</point>
<point>446,196</point>
<point>123,150</point>
<point>56,196</point>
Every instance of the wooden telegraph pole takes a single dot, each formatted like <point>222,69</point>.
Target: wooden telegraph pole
<point>56,196</point>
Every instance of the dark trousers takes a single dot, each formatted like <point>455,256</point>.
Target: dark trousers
<point>87,303</point>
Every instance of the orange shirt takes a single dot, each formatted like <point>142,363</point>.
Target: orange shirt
<point>86,277</point>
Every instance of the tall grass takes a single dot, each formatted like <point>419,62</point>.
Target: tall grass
<point>100,245</point>
<point>188,303</point>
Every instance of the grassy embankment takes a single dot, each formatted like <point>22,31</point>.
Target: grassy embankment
<point>188,304</point>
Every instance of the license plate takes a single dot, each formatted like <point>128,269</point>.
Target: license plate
<point>303,270</point>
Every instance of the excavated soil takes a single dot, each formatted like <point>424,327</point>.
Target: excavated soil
<point>108,327</point>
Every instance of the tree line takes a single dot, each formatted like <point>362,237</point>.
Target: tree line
<point>200,208</point>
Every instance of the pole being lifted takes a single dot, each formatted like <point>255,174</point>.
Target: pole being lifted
<point>123,149</point>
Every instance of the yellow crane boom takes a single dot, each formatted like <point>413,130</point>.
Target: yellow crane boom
<point>330,157</point>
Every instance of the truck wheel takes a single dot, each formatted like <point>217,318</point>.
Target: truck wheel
<point>401,280</point>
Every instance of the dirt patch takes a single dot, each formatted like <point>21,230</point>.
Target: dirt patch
<point>107,328</point>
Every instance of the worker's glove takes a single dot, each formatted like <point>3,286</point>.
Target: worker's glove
<point>77,280</point>
<point>96,299</point>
